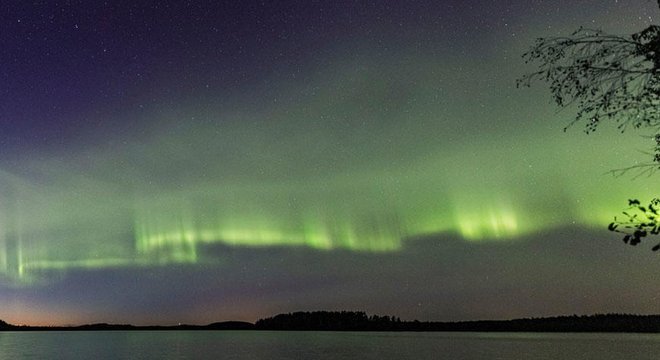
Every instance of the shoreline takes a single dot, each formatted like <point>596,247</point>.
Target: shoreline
<point>359,322</point>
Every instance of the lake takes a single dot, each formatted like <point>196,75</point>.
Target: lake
<point>255,345</point>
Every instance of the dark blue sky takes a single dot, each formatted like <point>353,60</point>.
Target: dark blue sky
<point>72,65</point>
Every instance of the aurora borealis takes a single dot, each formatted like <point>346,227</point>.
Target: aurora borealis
<point>204,161</point>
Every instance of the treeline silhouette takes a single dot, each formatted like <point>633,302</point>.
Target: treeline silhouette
<point>360,321</point>
<point>226,325</point>
<point>330,320</point>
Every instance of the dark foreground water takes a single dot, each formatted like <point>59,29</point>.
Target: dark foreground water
<point>323,345</point>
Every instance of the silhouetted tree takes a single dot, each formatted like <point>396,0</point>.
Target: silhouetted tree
<point>639,222</point>
<point>359,321</point>
<point>614,78</point>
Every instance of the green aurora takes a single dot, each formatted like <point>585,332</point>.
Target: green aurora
<point>343,174</point>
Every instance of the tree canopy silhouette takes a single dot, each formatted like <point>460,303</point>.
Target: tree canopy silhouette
<point>608,77</point>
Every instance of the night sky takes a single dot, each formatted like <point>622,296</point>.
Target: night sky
<point>171,162</point>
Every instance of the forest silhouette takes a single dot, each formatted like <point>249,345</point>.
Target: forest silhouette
<point>360,321</point>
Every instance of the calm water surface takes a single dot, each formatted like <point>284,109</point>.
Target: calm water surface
<point>323,345</point>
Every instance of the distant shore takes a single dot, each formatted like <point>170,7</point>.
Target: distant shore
<point>360,321</point>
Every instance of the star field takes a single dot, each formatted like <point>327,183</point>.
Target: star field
<point>165,162</point>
